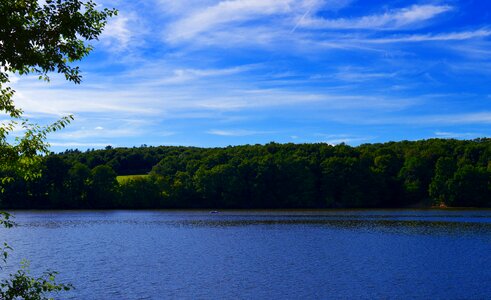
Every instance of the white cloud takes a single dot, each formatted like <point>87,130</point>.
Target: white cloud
<point>174,7</point>
<point>356,74</point>
<point>453,36</point>
<point>13,78</point>
<point>82,133</point>
<point>224,13</point>
<point>476,50</point>
<point>134,97</point>
<point>272,24</point>
<point>123,32</point>
<point>267,98</point>
<point>467,118</point>
<point>394,19</point>
<point>445,134</point>
<point>186,75</point>
<point>239,21</point>
<point>64,101</point>
<point>237,132</point>
<point>82,145</point>
<point>443,119</point>
<point>97,133</point>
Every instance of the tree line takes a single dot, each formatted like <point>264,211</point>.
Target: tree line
<point>435,172</point>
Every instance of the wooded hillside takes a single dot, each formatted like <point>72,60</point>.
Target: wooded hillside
<point>394,174</point>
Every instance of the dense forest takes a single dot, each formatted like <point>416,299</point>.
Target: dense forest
<point>435,172</point>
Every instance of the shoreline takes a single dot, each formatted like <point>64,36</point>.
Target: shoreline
<point>208,210</point>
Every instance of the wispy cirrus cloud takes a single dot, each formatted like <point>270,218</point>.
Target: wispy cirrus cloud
<point>239,21</point>
<point>472,118</point>
<point>356,74</point>
<point>237,132</point>
<point>463,118</point>
<point>183,75</point>
<point>124,33</point>
<point>465,135</point>
<point>63,101</point>
<point>98,132</point>
<point>72,145</point>
<point>405,18</point>
<point>270,22</point>
<point>170,91</point>
<point>224,13</point>
<point>452,36</point>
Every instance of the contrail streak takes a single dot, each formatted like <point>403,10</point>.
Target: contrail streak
<point>301,19</point>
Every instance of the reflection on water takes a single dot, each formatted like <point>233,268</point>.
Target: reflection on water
<point>417,222</point>
<point>261,254</point>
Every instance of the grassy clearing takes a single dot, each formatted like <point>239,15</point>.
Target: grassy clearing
<point>126,178</point>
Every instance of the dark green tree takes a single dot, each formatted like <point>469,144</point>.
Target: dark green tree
<point>139,193</point>
<point>55,174</point>
<point>471,186</point>
<point>439,189</point>
<point>103,187</point>
<point>385,169</point>
<point>341,182</point>
<point>78,181</point>
<point>415,177</point>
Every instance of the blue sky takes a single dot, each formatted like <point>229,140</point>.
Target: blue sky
<point>217,73</point>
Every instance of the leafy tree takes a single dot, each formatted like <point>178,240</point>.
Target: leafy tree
<point>439,189</point>
<point>415,179</point>
<point>342,184</point>
<point>78,180</point>
<point>103,187</point>
<point>217,185</point>
<point>40,39</point>
<point>471,186</point>
<point>55,173</point>
<point>139,193</point>
<point>385,168</point>
<point>181,192</point>
<point>24,286</point>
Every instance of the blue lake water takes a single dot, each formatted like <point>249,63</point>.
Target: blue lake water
<point>397,254</point>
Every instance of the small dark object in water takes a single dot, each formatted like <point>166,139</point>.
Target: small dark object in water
<point>214,212</point>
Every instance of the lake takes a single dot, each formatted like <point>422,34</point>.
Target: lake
<point>431,254</point>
